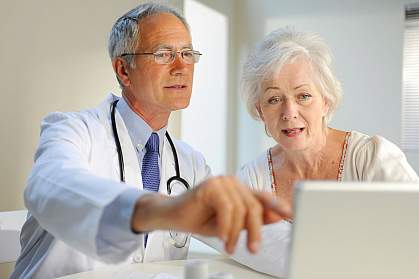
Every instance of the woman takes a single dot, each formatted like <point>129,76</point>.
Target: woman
<point>289,85</point>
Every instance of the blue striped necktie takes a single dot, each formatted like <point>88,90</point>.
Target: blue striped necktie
<point>150,171</point>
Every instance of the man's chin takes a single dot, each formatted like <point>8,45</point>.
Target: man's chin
<point>180,106</point>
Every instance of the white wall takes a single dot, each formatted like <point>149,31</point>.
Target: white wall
<point>53,56</point>
<point>366,37</point>
<point>209,122</point>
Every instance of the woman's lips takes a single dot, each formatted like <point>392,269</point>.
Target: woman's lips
<point>292,132</point>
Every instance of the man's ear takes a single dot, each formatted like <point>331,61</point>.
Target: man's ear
<point>120,66</point>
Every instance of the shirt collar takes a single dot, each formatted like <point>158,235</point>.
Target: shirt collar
<point>138,130</point>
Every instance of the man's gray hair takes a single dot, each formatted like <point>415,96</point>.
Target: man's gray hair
<point>283,46</point>
<point>125,37</point>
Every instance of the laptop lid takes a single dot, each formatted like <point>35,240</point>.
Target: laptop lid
<point>355,230</point>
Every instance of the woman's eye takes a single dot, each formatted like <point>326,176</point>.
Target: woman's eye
<point>304,97</point>
<point>274,100</point>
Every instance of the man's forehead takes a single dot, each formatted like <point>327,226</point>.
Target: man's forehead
<point>163,30</point>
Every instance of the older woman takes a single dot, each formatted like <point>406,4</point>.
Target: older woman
<point>288,83</point>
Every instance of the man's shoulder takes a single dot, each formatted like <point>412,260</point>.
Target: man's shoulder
<point>192,162</point>
<point>90,118</point>
<point>87,119</point>
<point>185,148</point>
<point>188,154</point>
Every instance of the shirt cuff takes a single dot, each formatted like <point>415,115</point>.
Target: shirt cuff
<point>115,234</point>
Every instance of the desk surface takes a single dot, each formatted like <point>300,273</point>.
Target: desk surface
<point>216,264</point>
<point>10,224</point>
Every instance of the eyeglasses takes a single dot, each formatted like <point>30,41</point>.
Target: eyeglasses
<point>168,56</point>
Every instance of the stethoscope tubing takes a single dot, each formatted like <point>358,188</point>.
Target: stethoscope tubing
<point>117,143</point>
<point>177,177</point>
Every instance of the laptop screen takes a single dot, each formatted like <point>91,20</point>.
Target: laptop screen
<point>355,230</point>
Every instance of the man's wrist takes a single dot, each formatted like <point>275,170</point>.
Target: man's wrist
<point>148,213</point>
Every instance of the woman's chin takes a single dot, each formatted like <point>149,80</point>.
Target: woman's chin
<point>294,147</point>
<point>292,144</point>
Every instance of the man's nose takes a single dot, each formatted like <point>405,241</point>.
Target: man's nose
<point>179,65</point>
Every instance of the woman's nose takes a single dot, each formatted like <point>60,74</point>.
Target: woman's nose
<point>289,111</point>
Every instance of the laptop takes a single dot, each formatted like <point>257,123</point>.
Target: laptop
<point>355,230</point>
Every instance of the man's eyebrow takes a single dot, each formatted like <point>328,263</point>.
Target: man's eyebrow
<point>162,46</point>
<point>187,46</point>
<point>166,46</point>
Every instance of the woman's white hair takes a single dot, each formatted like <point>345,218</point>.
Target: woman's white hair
<point>281,47</point>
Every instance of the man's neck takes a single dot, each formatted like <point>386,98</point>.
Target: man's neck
<point>156,120</point>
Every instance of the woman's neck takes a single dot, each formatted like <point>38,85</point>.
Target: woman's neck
<point>310,161</point>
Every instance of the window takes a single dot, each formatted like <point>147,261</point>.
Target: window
<point>410,97</point>
<point>204,122</point>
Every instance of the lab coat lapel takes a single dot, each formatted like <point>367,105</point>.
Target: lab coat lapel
<point>167,169</point>
<point>131,165</point>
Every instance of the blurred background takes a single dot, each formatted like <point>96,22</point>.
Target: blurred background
<point>53,57</point>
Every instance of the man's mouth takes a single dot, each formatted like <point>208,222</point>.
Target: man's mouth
<point>292,132</point>
<point>176,86</point>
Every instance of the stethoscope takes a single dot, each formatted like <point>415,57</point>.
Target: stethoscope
<point>172,179</point>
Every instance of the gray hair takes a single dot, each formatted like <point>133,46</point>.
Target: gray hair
<point>125,37</point>
<point>283,46</point>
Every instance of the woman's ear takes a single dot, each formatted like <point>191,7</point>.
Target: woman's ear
<point>325,107</point>
<point>120,66</point>
<point>259,111</point>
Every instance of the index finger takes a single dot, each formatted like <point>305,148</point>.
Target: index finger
<point>275,208</point>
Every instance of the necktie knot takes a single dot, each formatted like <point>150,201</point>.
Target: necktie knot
<point>153,143</point>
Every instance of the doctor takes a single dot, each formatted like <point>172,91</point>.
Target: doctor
<point>109,185</point>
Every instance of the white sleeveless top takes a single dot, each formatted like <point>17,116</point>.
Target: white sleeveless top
<point>365,158</point>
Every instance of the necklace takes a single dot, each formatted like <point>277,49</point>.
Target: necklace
<point>340,171</point>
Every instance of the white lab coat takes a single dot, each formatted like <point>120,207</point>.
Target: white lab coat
<point>75,176</point>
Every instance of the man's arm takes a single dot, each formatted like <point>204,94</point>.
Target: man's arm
<point>70,201</point>
<point>220,206</point>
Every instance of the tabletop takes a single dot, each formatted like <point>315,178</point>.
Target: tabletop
<point>143,270</point>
